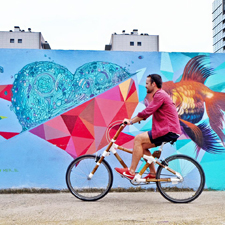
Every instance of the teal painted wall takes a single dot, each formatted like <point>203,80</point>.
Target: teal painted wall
<point>56,105</point>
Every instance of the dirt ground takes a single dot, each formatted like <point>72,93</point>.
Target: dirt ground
<point>115,208</point>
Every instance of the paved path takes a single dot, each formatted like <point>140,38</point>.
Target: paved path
<point>116,208</point>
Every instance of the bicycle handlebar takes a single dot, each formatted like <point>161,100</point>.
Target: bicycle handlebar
<point>126,123</point>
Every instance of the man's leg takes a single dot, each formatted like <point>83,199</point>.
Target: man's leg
<point>141,144</point>
<point>147,152</point>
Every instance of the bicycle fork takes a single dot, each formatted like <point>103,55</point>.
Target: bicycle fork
<point>111,148</point>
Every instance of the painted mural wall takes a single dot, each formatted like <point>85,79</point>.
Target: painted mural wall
<point>57,105</point>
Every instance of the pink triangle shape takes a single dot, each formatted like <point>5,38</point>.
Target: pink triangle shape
<point>112,94</point>
<point>53,133</point>
<point>91,149</point>
<point>108,108</point>
<point>58,124</point>
<point>81,144</point>
<point>70,149</point>
<point>39,131</point>
<point>99,133</point>
<point>129,144</point>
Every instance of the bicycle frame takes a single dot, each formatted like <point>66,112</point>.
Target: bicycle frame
<point>149,159</point>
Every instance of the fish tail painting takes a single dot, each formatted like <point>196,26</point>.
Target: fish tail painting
<point>192,98</point>
<point>215,107</point>
<point>202,135</point>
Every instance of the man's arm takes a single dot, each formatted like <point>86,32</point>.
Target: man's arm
<point>154,105</point>
<point>150,109</point>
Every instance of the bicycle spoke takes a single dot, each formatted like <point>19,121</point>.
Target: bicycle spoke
<point>83,187</point>
<point>187,189</point>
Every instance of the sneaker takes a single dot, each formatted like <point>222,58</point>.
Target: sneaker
<point>125,172</point>
<point>149,176</point>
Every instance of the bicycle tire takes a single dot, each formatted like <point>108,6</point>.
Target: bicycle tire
<point>84,188</point>
<point>193,179</point>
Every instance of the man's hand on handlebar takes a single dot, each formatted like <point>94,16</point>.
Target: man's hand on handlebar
<point>126,121</point>
<point>132,121</point>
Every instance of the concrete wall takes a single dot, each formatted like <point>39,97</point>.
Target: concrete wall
<point>56,105</point>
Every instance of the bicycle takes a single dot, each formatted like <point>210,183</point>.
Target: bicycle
<point>179,178</point>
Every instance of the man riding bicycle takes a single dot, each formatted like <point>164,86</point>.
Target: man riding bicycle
<point>165,126</point>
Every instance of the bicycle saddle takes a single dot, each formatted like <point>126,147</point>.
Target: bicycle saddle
<point>173,141</point>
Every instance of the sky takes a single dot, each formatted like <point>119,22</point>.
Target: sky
<point>182,25</point>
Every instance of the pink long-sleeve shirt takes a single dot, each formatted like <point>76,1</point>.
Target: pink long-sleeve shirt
<point>165,117</point>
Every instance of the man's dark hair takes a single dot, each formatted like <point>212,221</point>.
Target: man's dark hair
<point>157,79</point>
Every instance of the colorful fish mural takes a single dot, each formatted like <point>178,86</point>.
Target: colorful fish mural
<point>192,98</point>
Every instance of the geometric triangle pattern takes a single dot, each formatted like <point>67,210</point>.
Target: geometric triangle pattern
<point>8,135</point>
<point>6,92</point>
<point>83,130</point>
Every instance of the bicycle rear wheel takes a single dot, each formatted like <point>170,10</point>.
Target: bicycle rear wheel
<point>83,187</point>
<point>190,187</point>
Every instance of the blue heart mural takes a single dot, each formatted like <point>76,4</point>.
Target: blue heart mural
<point>43,90</point>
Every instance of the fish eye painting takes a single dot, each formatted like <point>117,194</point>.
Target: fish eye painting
<point>57,105</point>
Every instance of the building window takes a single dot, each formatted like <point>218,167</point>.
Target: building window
<point>139,44</point>
<point>131,43</point>
<point>11,40</point>
<point>19,40</point>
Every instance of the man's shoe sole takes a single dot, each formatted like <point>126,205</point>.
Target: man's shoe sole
<point>124,176</point>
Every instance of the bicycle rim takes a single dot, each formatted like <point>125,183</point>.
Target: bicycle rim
<point>84,188</point>
<point>193,179</point>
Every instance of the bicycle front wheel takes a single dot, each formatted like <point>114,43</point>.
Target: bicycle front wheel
<point>83,187</point>
<point>190,187</point>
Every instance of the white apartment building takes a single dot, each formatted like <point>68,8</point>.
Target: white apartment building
<point>218,20</point>
<point>22,39</point>
<point>133,42</point>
